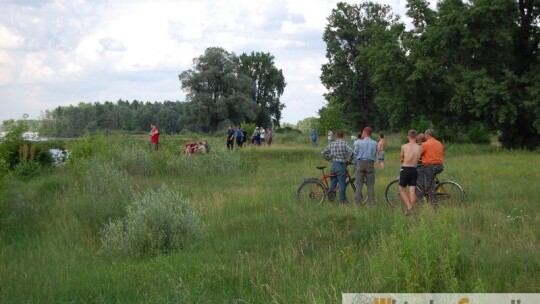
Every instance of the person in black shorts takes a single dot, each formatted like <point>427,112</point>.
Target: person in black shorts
<point>410,153</point>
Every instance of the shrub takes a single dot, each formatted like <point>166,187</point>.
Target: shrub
<point>446,134</point>
<point>288,129</point>
<point>87,146</point>
<point>9,148</point>
<point>158,221</point>
<point>4,168</point>
<point>27,169</point>
<point>421,126</point>
<point>478,135</point>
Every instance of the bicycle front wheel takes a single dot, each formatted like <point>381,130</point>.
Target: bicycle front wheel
<point>392,194</point>
<point>351,192</point>
<point>311,191</point>
<point>350,187</point>
<point>449,193</point>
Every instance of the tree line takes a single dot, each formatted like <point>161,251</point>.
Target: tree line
<point>464,66</point>
<point>222,88</point>
<point>467,64</point>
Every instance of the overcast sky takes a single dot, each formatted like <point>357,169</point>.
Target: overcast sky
<point>61,52</point>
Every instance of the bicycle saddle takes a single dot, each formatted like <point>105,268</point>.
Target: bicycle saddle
<point>321,167</point>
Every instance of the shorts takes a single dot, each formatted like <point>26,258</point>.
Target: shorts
<point>408,176</point>
<point>380,156</point>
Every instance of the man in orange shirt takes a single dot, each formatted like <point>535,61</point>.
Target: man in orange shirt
<point>432,159</point>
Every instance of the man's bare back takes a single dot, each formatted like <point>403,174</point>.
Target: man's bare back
<point>382,144</point>
<point>410,153</point>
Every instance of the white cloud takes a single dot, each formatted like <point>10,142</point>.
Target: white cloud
<point>61,52</point>
<point>9,40</point>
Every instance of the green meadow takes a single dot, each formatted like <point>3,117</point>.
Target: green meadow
<point>247,239</point>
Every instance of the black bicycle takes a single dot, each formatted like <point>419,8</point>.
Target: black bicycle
<point>448,192</point>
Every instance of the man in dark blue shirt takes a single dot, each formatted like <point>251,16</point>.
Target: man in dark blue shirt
<point>239,137</point>
<point>230,138</point>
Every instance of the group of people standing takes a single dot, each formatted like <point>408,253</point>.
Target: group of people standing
<point>422,156</point>
<point>259,137</point>
<point>416,155</point>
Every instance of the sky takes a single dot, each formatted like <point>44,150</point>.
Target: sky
<point>63,52</point>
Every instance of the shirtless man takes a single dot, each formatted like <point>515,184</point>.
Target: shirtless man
<point>381,147</point>
<point>410,153</point>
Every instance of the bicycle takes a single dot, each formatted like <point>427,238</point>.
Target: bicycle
<point>447,191</point>
<point>316,189</point>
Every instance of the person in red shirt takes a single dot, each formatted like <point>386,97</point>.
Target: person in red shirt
<point>154,137</point>
<point>432,159</point>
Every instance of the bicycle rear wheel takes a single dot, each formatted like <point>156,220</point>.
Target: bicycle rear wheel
<point>311,191</point>
<point>392,194</point>
<point>449,193</point>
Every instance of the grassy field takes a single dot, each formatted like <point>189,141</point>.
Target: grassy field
<point>259,245</point>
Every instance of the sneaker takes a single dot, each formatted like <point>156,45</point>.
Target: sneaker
<point>409,212</point>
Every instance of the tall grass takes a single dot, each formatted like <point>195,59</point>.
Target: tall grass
<point>260,244</point>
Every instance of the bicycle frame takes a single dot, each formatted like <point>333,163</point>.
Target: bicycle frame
<point>326,177</point>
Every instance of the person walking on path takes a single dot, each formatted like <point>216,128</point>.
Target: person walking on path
<point>365,150</point>
<point>340,154</point>
<point>409,156</point>
<point>433,159</point>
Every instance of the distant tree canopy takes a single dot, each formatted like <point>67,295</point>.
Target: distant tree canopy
<point>468,62</point>
<point>223,88</point>
<point>73,121</point>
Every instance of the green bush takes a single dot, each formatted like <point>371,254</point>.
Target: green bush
<point>158,221</point>
<point>421,126</point>
<point>288,130</point>
<point>87,146</point>
<point>4,167</point>
<point>478,135</point>
<point>446,134</point>
<point>9,148</point>
<point>27,169</point>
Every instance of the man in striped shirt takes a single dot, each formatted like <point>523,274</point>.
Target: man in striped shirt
<point>339,153</point>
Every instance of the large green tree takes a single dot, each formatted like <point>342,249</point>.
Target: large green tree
<point>464,64</point>
<point>269,86</point>
<point>482,54</point>
<point>217,91</point>
<point>348,34</point>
